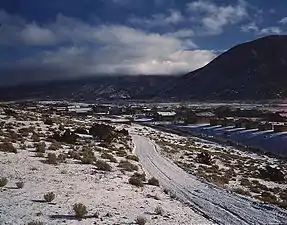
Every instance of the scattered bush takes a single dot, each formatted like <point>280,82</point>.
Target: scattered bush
<point>62,158</point>
<point>272,174</point>
<point>121,153</point>
<point>81,130</point>
<point>7,147</point>
<point>49,197</point>
<point>88,157</point>
<point>159,211</point>
<point>102,165</point>
<point>141,220</point>
<point>140,176</point>
<point>20,184</point>
<point>74,155</point>
<point>153,181</point>
<point>55,146</point>
<point>41,147</point>
<point>204,158</point>
<point>67,137</point>
<point>35,137</point>
<point>48,121</point>
<point>128,166</point>
<point>52,158</point>
<point>109,157</point>
<point>136,181</point>
<point>3,181</point>
<point>133,157</point>
<point>102,132</point>
<point>80,210</point>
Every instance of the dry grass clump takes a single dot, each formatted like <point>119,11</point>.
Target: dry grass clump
<point>49,197</point>
<point>88,157</point>
<point>109,157</point>
<point>7,147</point>
<point>141,220</point>
<point>133,157</point>
<point>153,181</point>
<point>80,210</point>
<point>3,181</point>
<point>41,147</point>
<point>52,159</point>
<point>136,181</point>
<point>102,165</point>
<point>128,166</point>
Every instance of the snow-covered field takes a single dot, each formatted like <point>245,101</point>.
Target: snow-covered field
<point>232,169</point>
<point>215,204</point>
<point>108,196</point>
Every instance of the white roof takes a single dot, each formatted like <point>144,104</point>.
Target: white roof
<point>166,113</point>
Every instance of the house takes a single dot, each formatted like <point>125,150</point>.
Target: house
<point>280,128</point>
<point>165,116</point>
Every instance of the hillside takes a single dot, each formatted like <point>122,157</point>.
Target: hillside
<point>253,70</point>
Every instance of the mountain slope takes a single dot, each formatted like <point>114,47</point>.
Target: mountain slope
<point>91,89</point>
<point>253,70</point>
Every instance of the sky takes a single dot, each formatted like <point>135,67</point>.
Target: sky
<point>59,39</point>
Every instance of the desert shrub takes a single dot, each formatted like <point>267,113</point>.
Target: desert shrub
<point>81,130</point>
<point>245,182</point>
<point>35,137</point>
<point>204,158</point>
<point>267,197</point>
<point>48,121</point>
<point>241,191</point>
<point>159,211</point>
<point>283,194</point>
<point>49,197</point>
<point>41,147</point>
<point>88,157</point>
<point>128,166</point>
<point>74,155</point>
<point>3,181</point>
<point>109,157</point>
<point>136,181</point>
<point>140,176</point>
<point>52,158</point>
<point>141,220</point>
<point>133,157</point>
<point>67,137</point>
<point>7,147</point>
<point>153,181</point>
<point>102,165</point>
<point>121,153</point>
<point>219,180</point>
<point>20,184</point>
<point>80,210</point>
<point>55,146</point>
<point>35,223</point>
<point>62,158</point>
<point>270,173</point>
<point>102,132</point>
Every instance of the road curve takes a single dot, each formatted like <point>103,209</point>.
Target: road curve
<point>217,205</point>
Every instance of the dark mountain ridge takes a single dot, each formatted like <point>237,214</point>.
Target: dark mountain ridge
<point>253,70</point>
